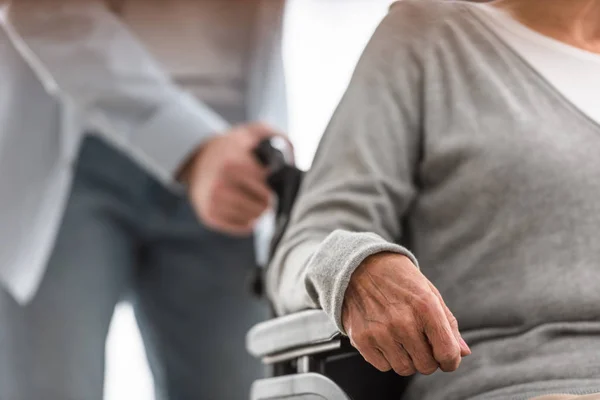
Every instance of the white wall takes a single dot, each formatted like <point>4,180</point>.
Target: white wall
<point>323,40</point>
<point>127,373</point>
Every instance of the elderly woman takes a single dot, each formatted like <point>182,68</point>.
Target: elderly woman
<point>461,172</point>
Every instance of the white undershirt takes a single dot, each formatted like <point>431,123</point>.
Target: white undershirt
<point>574,72</point>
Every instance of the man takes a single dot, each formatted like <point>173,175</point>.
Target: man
<point>85,110</point>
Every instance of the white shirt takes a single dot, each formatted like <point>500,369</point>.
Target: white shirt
<point>574,72</point>
<point>67,71</point>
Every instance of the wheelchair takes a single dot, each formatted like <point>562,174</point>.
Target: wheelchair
<point>305,355</point>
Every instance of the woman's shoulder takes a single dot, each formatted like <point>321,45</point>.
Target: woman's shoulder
<point>423,24</point>
<point>427,16</point>
<point>431,10</point>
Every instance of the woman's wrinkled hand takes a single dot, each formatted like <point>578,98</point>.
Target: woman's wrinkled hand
<point>398,320</point>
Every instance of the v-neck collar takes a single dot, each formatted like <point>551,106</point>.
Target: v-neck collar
<point>542,81</point>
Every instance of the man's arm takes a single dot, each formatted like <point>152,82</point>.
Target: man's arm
<point>87,58</point>
<point>339,253</point>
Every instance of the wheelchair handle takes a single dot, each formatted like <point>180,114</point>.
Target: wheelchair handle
<point>274,154</point>
<point>270,153</point>
<point>284,180</point>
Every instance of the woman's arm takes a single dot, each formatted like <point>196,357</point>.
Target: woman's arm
<point>340,252</point>
<point>361,183</point>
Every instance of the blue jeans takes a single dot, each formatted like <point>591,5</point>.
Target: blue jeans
<point>125,235</point>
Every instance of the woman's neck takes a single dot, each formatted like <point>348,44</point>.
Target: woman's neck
<point>575,22</point>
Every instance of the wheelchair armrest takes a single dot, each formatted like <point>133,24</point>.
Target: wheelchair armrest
<point>301,386</point>
<point>295,335</point>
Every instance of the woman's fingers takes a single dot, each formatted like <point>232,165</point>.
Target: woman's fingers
<point>464,348</point>
<point>397,356</point>
<point>398,312</point>
<point>367,348</point>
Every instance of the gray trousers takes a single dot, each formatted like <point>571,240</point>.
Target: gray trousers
<point>126,235</point>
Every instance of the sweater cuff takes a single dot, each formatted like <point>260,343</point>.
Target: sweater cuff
<point>174,133</point>
<point>331,267</point>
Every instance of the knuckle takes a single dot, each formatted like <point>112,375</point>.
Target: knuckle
<point>450,367</point>
<point>219,186</point>
<point>230,166</point>
<point>405,367</point>
<point>380,331</point>
<point>424,361</point>
<point>401,323</point>
<point>423,304</point>
<point>361,338</point>
<point>452,321</point>
<point>428,369</point>
<point>381,367</point>
<point>405,371</point>
<point>449,355</point>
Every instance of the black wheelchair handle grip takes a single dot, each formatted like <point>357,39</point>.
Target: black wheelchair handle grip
<point>284,180</point>
<point>269,156</point>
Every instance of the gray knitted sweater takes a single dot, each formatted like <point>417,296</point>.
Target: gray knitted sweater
<point>448,144</point>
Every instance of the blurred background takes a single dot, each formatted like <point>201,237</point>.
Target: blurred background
<point>323,40</point>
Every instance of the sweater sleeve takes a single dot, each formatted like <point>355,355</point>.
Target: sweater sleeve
<point>354,199</point>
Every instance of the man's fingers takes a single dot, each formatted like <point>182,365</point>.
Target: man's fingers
<point>223,226</point>
<point>249,182</point>
<point>464,348</point>
<point>236,205</point>
<point>238,208</point>
<point>237,199</point>
<point>247,165</point>
<point>446,349</point>
<point>230,212</point>
<point>252,190</point>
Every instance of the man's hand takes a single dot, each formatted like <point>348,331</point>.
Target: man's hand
<point>227,185</point>
<point>397,319</point>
